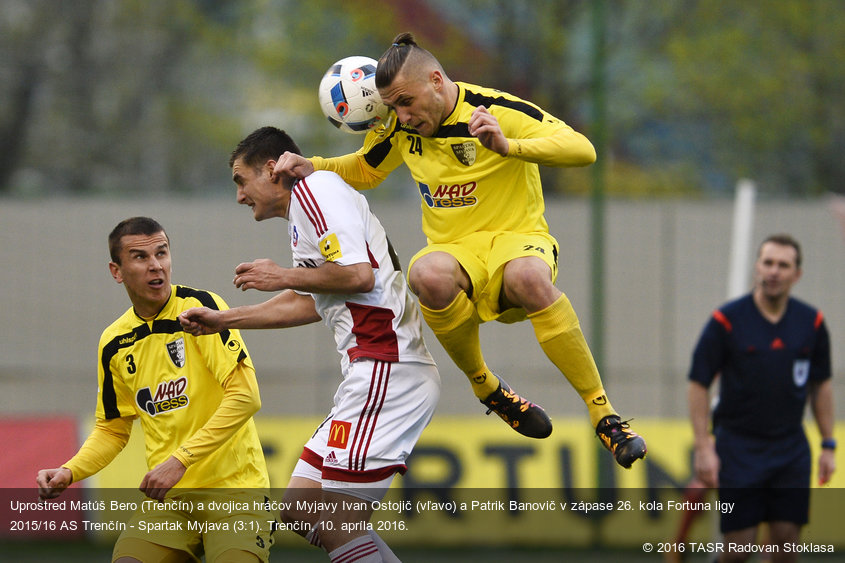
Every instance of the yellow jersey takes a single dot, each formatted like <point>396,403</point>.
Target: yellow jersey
<point>465,188</point>
<point>173,381</point>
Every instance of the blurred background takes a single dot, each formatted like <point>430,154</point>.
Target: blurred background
<point>110,109</point>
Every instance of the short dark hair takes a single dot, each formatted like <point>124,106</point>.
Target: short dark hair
<point>784,239</point>
<point>391,62</point>
<point>132,226</point>
<point>266,143</point>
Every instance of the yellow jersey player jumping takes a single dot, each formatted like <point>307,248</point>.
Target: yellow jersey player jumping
<point>195,397</point>
<point>474,154</point>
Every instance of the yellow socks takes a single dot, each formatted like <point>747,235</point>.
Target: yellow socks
<point>456,327</point>
<point>559,334</point>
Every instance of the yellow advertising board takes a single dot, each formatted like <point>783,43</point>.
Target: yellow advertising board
<point>471,480</point>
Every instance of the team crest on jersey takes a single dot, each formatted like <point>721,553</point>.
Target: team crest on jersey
<point>330,248</point>
<point>800,372</point>
<point>176,351</point>
<point>465,152</point>
<point>169,395</point>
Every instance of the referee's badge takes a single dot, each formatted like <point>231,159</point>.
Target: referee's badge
<point>465,152</point>
<point>176,351</point>
<point>800,372</point>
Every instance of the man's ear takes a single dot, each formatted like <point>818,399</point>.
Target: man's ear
<point>269,166</point>
<point>436,78</point>
<point>114,269</point>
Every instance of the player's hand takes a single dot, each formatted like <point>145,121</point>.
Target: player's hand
<point>201,320</point>
<point>52,482</point>
<point>291,165</point>
<point>485,126</point>
<point>706,464</point>
<point>262,274</point>
<point>827,465</point>
<point>162,478</point>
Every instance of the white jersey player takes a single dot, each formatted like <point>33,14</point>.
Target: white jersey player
<point>388,372</point>
<point>346,274</point>
<point>332,222</point>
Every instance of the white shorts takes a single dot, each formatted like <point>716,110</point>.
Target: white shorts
<point>379,413</point>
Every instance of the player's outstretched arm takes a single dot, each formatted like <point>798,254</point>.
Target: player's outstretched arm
<point>287,309</point>
<point>329,277</point>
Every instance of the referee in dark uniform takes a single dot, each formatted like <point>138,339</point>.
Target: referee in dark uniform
<point>772,353</point>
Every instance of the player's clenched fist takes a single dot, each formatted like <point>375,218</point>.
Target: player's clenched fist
<point>52,482</point>
<point>293,166</point>
<point>262,274</point>
<point>485,126</point>
<point>201,320</point>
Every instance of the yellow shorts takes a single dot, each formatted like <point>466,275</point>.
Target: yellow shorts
<point>483,256</point>
<point>208,522</point>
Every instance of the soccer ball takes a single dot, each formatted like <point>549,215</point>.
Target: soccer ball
<point>348,95</point>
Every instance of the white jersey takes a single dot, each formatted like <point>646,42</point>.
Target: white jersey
<point>331,221</point>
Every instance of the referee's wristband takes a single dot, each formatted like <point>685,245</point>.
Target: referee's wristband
<point>829,444</point>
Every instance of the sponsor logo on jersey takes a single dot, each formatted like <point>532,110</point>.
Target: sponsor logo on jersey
<point>449,195</point>
<point>800,372</point>
<point>169,395</point>
<point>330,248</point>
<point>465,152</point>
<point>128,339</point>
<point>233,345</point>
<point>339,434</point>
<point>331,459</point>
<point>294,235</point>
<point>176,351</point>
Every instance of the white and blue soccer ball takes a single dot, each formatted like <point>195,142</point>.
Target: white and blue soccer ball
<point>348,95</point>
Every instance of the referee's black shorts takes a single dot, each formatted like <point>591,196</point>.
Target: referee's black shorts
<point>766,479</point>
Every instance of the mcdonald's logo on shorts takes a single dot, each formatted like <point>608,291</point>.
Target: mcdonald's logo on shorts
<point>339,434</point>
